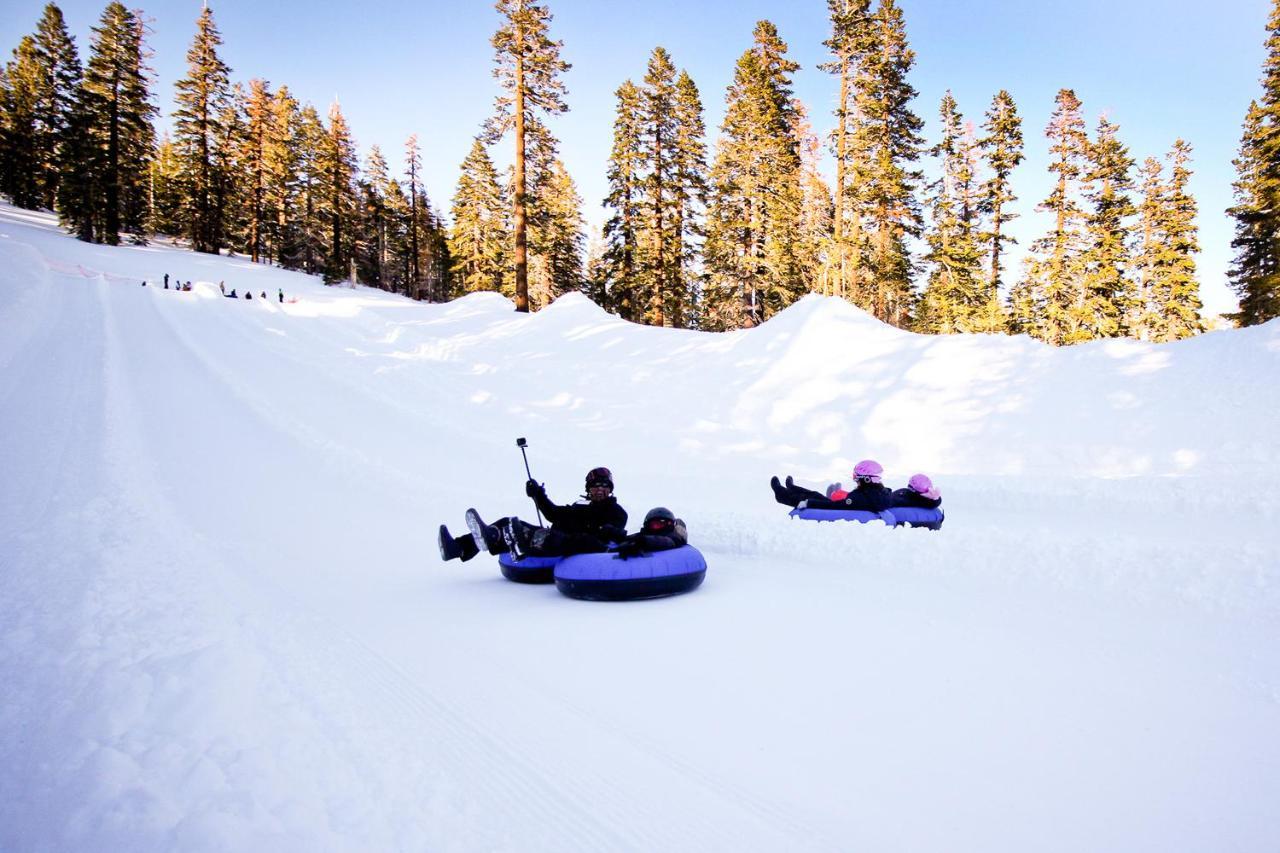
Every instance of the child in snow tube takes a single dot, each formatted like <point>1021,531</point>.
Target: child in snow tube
<point>581,528</point>
<point>868,494</point>
<point>920,493</point>
<point>654,563</point>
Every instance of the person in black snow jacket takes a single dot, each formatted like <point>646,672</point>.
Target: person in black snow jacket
<point>920,492</point>
<point>584,527</point>
<point>869,493</point>
<point>661,531</point>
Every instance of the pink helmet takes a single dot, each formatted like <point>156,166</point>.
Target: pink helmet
<point>868,470</point>
<point>920,483</point>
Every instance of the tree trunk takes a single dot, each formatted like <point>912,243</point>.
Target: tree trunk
<point>522,248</point>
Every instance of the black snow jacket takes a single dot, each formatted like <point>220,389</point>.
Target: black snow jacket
<point>605,519</point>
<point>872,497</point>
<point>910,497</point>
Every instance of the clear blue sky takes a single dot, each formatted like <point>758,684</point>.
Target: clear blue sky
<point>1162,69</point>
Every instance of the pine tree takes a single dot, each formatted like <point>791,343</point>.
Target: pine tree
<point>60,62</point>
<point>657,140</point>
<point>529,70</point>
<point>619,277</point>
<point>851,44</point>
<point>690,196</point>
<point>202,99</point>
<point>116,110</point>
<point>1255,270</point>
<point>556,239</point>
<point>310,141</point>
<point>284,157</point>
<point>1169,290</point>
<point>479,239</point>
<point>893,143</point>
<point>413,163</point>
<point>1053,282</point>
<point>1002,150</point>
<point>25,81</point>
<point>1106,299</point>
<point>372,261</point>
<point>338,171</point>
<point>956,296</point>
<point>754,213</point>
<point>816,227</point>
<point>254,165</point>
<point>166,190</point>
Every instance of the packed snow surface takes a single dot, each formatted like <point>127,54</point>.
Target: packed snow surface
<point>226,625</point>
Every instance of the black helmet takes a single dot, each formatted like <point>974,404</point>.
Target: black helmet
<point>659,518</point>
<point>599,477</point>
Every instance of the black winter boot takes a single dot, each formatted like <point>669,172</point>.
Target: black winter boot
<point>463,548</point>
<point>486,533</point>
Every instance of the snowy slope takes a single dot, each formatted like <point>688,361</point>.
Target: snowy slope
<point>225,625</point>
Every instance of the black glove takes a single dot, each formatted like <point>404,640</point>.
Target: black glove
<point>534,489</point>
<point>630,549</point>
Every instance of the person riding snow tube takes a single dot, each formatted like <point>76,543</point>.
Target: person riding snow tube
<point>655,562</point>
<point>869,493</point>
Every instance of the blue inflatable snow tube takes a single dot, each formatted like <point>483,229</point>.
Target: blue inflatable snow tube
<point>861,516</point>
<point>606,577</point>
<point>914,516</point>
<point>900,515</point>
<point>528,570</point>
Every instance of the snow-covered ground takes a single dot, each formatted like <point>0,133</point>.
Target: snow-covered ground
<point>225,624</point>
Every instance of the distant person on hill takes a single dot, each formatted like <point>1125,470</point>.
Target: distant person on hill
<point>584,527</point>
<point>166,281</point>
<point>248,294</point>
<point>232,294</point>
<point>920,492</point>
<point>144,282</point>
<point>282,296</point>
<point>223,287</point>
<point>869,493</point>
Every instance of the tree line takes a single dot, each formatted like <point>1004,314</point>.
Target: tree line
<point>712,240</point>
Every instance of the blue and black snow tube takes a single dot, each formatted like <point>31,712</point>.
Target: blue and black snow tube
<point>607,577</point>
<point>862,516</point>
<point>914,516</point>
<point>900,515</point>
<point>530,569</point>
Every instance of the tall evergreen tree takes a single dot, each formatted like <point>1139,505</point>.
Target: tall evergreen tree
<point>116,104</point>
<point>1169,290</point>
<point>1106,299</point>
<point>478,242</point>
<point>413,163</point>
<point>889,192</point>
<point>284,157</point>
<point>620,280</point>
<point>1002,149</point>
<point>199,133</point>
<point>956,296</point>
<point>754,212</point>
<point>25,82</point>
<point>311,143</point>
<point>556,239</point>
<point>1053,281</point>
<point>60,62</point>
<point>166,190</point>
<point>254,165</point>
<point>851,44</point>
<point>338,170</point>
<point>658,140</point>
<point>529,70</point>
<point>1255,270</point>
<point>689,195</point>
<point>372,253</point>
